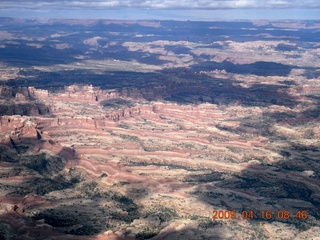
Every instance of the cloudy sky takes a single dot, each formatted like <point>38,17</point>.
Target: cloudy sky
<point>163,9</point>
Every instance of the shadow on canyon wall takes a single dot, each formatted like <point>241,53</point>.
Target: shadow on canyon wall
<point>23,109</point>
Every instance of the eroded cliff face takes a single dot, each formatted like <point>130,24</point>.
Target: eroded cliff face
<point>22,101</point>
<point>18,126</point>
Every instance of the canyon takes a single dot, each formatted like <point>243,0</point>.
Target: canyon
<point>147,145</point>
<point>158,163</point>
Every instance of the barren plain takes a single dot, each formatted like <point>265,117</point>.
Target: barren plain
<point>142,130</point>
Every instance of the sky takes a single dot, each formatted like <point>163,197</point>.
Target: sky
<point>163,9</point>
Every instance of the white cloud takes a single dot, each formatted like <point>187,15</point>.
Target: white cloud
<point>159,4</point>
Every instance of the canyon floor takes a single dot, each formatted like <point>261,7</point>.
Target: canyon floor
<point>127,134</point>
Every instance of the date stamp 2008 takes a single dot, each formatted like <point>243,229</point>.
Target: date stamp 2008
<point>263,214</point>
